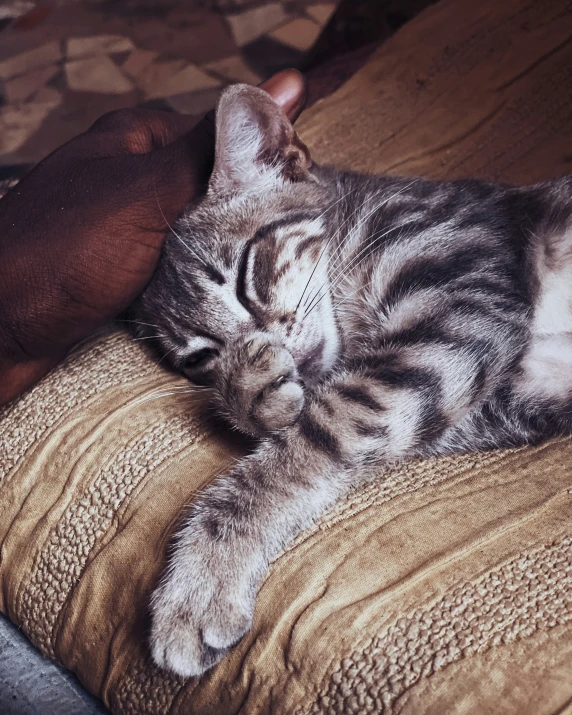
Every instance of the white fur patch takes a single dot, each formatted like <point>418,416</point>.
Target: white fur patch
<point>547,368</point>
<point>553,311</point>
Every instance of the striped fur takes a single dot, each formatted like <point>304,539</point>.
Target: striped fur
<point>345,321</point>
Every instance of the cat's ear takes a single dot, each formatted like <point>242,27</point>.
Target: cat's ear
<point>255,141</point>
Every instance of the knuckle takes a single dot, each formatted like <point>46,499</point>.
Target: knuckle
<point>116,120</point>
<point>126,125</point>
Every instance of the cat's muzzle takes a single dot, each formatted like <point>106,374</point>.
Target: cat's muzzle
<point>260,390</point>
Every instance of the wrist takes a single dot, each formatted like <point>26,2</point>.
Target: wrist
<point>19,369</point>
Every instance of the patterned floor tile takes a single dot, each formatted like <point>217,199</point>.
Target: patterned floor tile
<point>19,121</point>
<point>234,69</point>
<point>300,34</point>
<point>76,113</point>
<point>23,87</point>
<point>188,79</point>
<point>164,79</point>
<point>80,47</point>
<point>15,8</point>
<point>252,24</point>
<point>96,74</point>
<point>322,13</point>
<point>138,61</point>
<point>195,103</point>
<point>29,61</point>
<point>35,16</point>
<point>197,37</point>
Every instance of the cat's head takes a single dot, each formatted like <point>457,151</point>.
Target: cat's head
<point>240,300</point>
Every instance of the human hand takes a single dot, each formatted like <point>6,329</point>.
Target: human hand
<point>81,234</point>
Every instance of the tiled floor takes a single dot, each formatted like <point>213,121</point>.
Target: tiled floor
<point>63,63</point>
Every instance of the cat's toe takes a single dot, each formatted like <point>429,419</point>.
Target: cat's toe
<point>180,645</point>
<point>176,646</point>
<point>188,639</point>
<point>279,405</point>
<point>225,625</point>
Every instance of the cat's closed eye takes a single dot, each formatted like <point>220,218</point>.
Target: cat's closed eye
<point>199,358</point>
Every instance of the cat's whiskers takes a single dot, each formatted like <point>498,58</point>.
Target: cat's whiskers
<point>352,266</point>
<point>167,353</point>
<point>370,243</point>
<point>339,263</point>
<point>337,258</point>
<point>355,292</point>
<point>185,386</point>
<point>172,230</point>
<point>139,322</point>
<point>155,397</point>
<point>336,264</point>
<point>160,394</point>
<point>311,296</point>
<point>363,219</point>
<point>318,295</point>
<point>325,245</point>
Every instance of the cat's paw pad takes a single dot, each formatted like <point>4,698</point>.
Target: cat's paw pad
<point>278,405</point>
<point>188,639</point>
<point>266,393</point>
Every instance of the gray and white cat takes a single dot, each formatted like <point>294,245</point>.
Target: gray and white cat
<point>345,321</point>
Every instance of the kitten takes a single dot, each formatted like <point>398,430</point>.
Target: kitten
<point>345,321</point>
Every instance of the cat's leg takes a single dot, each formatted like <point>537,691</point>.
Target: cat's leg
<point>376,411</point>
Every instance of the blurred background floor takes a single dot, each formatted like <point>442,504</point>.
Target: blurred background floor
<point>64,63</point>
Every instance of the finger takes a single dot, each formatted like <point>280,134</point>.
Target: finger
<point>179,170</point>
<point>288,90</point>
<point>138,131</point>
<point>17,377</point>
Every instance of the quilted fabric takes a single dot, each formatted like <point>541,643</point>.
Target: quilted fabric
<point>442,586</point>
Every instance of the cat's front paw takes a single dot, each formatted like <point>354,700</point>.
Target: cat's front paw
<point>263,393</point>
<point>200,611</point>
<point>278,405</point>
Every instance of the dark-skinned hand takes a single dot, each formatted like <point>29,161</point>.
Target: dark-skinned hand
<point>81,234</point>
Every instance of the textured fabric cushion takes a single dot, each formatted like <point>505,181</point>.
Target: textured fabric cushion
<point>443,586</point>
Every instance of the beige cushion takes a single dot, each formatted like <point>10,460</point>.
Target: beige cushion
<point>444,586</point>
